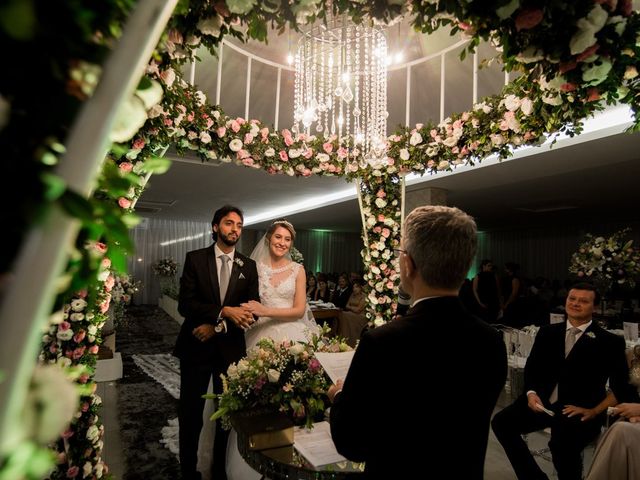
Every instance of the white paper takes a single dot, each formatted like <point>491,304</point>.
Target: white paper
<point>335,364</point>
<point>316,445</point>
<point>630,331</point>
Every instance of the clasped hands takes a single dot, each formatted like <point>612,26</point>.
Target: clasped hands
<point>241,316</point>
<point>629,411</point>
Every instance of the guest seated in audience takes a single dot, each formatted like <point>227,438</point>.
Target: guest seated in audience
<point>342,292</point>
<point>312,286</point>
<point>566,374</point>
<point>382,407</point>
<point>352,321</point>
<point>322,292</point>
<point>357,300</point>
<point>617,456</point>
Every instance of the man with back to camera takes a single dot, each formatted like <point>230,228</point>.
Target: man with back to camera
<point>565,380</point>
<point>436,346</point>
<point>215,281</point>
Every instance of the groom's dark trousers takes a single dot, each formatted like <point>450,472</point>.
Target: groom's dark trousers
<point>200,303</point>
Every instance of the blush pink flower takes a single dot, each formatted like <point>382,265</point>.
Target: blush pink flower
<point>327,147</point>
<point>125,167</point>
<point>124,202</point>
<point>528,18</point>
<point>235,126</point>
<point>139,143</point>
<point>283,156</point>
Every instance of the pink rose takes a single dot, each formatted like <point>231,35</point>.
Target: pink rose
<point>327,147</point>
<point>308,153</point>
<point>386,232</point>
<point>248,138</point>
<point>106,262</point>
<point>235,126</point>
<point>528,18</point>
<point>124,202</point>
<point>381,194</point>
<point>587,53</point>
<point>381,218</point>
<point>125,167</point>
<point>100,247</point>
<point>139,143</point>
<point>248,162</point>
<point>93,349</point>
<point>209,123</point>
<point>78,337</point>
<point>593,94</point>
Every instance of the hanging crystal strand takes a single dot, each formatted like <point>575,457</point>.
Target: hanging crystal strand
<point>368,118</point>
<point>321,75</point>
<point>347,96</point>
<point>357,123</point>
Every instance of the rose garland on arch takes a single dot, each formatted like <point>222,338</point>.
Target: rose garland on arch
<point>529,108</point>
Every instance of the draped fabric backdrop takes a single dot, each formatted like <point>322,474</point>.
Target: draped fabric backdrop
<point>540,251</point>
<point>157,239</point>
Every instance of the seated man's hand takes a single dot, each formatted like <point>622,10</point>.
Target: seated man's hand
<point>204,332</point>
<point>534,402</point>
<point>241,316</point>
<point>572,410</point>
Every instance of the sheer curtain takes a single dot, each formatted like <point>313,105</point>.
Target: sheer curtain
<point>157,239</point>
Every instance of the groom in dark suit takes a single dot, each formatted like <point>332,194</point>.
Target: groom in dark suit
<point>214,282</point>
<point>382,413</point>
<point>566,373</point>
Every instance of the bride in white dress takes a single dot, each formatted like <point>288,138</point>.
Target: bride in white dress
<point>283,311</point>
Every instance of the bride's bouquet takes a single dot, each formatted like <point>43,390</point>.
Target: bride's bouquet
<point>283,376</point>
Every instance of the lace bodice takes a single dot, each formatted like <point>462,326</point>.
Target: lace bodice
<point>277,290</point>
<point>278,285</point>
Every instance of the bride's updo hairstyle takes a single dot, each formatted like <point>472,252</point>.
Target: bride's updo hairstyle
<point>284,224</point>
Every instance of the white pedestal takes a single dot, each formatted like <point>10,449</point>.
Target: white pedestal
<point>170,306</point>
<point>109,369</point>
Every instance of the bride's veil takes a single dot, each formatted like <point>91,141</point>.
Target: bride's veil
<point>260,252</point>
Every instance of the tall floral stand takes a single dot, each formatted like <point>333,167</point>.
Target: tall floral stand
<point>109,365</point>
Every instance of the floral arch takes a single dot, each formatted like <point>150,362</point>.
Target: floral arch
<point>567,74</point>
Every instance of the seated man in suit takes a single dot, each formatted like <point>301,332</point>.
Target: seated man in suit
<point>567,374</point>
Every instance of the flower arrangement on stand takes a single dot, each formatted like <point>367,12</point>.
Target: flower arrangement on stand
<point>285,376</point>
<point>121,295</point>
<point>166,269</point>
<point>607,261</point>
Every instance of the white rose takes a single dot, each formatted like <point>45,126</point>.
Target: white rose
<point>65,334</point>
<point>443,165</point>
<point>92,330</point>
<point>269,152</point>
<point>76,316</point>
<point>235,145</point>
<point>380,202</point>
<point>415,139</point>
<point>295,153</point>
<point>552,99</point>
<point>404,154</point>
<point>512,103</point>
<point>296,349</point>
<point>597,74</point>
<point>205,137</point>
<point>210,25</point>
<point>273,375</point>
<point>93,433</point>
<point>86,469</point>
<point>243,366</point>
<point>526,106</point>
<point>322,157</point>
<point>78,305</point>
<point>103,275</point>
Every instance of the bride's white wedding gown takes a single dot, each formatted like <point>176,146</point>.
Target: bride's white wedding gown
<point>277,290</point>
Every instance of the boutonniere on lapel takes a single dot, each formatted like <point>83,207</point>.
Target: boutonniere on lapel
<point>590,335</point>
<point>238,261</point>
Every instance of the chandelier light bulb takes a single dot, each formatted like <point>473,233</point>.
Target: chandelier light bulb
<point>290,59</point>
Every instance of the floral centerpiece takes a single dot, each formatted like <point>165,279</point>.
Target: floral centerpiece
<point>165,267</point>
<point>607,261</point>
<point>285,376</point>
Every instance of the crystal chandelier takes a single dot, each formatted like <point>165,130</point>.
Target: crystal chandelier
<point>341,85</point>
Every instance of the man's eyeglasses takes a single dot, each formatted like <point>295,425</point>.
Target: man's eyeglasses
<point>398,251</point>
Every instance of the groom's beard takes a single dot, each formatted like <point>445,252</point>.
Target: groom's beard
<point>229,242</point>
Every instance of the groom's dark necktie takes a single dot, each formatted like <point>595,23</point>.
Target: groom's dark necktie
<point>224,276</point>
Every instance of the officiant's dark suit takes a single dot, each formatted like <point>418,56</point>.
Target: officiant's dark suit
<point>581,379</point>
<point>382,415</point>
<point>206,345</point>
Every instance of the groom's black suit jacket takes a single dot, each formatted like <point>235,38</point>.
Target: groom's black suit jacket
<point>582,377</point>
<point>200,303</point>
<point>438,347</point>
